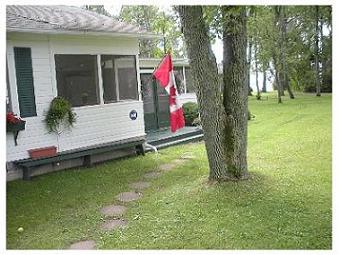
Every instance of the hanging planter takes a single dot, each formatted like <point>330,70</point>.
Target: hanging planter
<point>14,124</point>
<point>59,116</point>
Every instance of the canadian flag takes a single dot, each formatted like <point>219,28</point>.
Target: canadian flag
<point>165,75</point>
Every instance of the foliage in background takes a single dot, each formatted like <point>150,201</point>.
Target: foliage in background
<point>191,113</point>
<point>300,43</point>
<point>60,115</point>
<point>153,19</point>
<point>99,9</point>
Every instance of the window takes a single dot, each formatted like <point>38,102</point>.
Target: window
<point>179,79</point>
<point>78,81</point>
<point>24,79</point>
<point>77,78</point>
<point>119,78</point>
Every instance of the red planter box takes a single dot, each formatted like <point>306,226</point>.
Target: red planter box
<point>43,152</point>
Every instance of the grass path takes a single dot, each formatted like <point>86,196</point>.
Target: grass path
<point>285,204</point>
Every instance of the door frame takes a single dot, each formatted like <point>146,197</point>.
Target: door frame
<point>155,100</point>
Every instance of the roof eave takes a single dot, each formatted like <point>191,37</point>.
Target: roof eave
<point>178,61</point>
<point>91,33</point>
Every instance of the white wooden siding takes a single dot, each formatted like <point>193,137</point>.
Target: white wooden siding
<point>104,123</point>
<point>95,124</point>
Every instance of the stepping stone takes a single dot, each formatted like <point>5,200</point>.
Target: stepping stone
<point>83,245</point>
<point>114,224</point>
<point>128,196</point>
<point>179,161</point>
<point>113,210</point>
<point>187,156</point>
<point>166,167</point>
<point>139,185</point>
<point>152,175</point>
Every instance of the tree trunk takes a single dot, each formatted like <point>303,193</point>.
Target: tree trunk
<point>279,85</point>
<point>249,59</point>
<point>283,28</point>
<point>235,89</point>
<point>205,77</point>
<point>256,71</point>
<point>277,54</point>
<point>264,89</point>
<point>276,76</point>
<point>224,123</point>
<point>322,58</point>
<point>281,80</point>
<point>316,53</point>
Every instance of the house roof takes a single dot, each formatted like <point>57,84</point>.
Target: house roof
<point>61,19</point>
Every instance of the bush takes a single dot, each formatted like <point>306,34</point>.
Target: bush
<point>190,113</point>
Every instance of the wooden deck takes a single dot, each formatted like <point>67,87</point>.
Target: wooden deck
<point>164,137</point>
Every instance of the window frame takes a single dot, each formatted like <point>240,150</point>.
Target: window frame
<point>116,67</point>
<point>100,85</point>
<point>9,106</point>
<point>97,87</point>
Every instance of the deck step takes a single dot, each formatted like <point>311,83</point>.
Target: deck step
<point>168,139</point>
<point>186,139</point>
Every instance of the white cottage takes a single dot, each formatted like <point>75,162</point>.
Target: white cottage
<point>87,58</point>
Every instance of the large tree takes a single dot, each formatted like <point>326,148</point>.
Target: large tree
<point>283,37</point>
<point>224,121</point>
<point>316,51</point>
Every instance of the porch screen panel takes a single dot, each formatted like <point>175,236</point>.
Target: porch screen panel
<point>179,79</point>
<point>189,80</point>
<point>77,78</point>
<point>119,76</point>
<point>24,79</point>
<point>108,79</point>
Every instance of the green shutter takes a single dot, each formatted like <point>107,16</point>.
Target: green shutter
<point>24,80</point>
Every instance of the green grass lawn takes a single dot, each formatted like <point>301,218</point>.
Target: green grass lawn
<point>286,204</point>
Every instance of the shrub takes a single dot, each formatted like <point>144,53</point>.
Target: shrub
<point>190,113</point>
<point>197,122</point>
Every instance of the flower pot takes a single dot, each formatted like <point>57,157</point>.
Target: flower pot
<point>43,152</point>
<point>16,127</point>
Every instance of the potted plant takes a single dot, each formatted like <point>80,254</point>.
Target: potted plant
<point>14,124</point>
<point>59,116</point>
